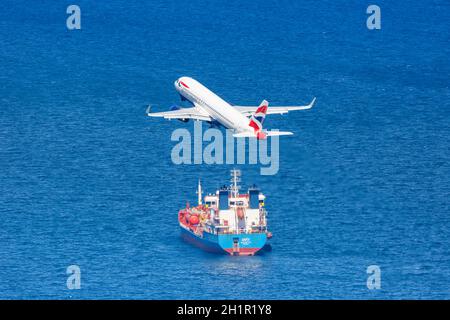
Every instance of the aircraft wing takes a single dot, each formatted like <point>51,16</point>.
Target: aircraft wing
<point>247,110</point>
<point>182,114</point>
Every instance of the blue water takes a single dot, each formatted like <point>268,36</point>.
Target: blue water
<point>87,179</point>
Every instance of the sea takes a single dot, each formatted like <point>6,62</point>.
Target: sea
<point>88,180</point>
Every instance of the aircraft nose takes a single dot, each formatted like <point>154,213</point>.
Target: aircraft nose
<point>180,83</point>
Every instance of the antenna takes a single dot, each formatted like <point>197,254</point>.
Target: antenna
<point>235,178</point>
<point>199,192</point>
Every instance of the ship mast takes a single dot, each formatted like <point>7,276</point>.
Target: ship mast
<point>199,192</point>
<point>235,174</point>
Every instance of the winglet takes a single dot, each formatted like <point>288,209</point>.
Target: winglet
<point>312,103</point>
<point>148,109</point>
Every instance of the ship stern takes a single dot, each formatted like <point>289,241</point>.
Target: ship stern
<point>245,244</point>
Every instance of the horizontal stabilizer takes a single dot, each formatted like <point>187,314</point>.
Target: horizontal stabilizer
<point>244,135</point>
<point>266,133</point>
<point>278,133</point>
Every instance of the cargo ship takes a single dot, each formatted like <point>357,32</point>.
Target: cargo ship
<point>227,221</point>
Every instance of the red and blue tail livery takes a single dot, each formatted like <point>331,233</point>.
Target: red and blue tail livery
<point>257,118</point>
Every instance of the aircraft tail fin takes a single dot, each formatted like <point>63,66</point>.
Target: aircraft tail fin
<point>258,117</point>
<point>256,122</point>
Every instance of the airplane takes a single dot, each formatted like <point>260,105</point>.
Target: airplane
<point>245,121</point>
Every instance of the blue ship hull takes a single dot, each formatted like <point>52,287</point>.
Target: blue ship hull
<point>234,244</point>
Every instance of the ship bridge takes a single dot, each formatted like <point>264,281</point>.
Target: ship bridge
<point>233,211</point>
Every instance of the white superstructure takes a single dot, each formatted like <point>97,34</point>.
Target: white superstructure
<point>234,211</point>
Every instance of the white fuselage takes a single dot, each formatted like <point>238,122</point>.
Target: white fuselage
<point>217,108</point>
